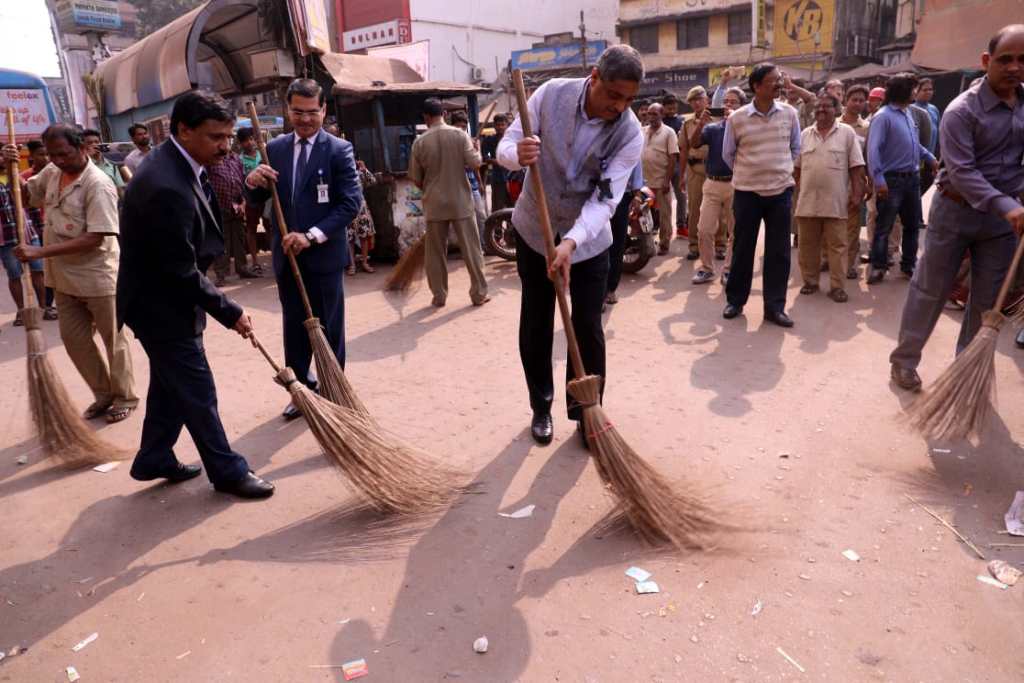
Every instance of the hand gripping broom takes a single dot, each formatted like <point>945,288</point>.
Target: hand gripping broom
<point>657,511</point>
<point>391,475</point>
<point>334,386</point>
<point>957,405</point>
<point>63,433</point>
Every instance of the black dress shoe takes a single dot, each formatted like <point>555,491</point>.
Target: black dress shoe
<point>1020,339</point>
<point>906,378</point>
<point>731,311</point>
<point>249,486</point>
<point>542,428</point>
<point>175,475</point>
<point>693,256</point>
<point>290,412</point>
<point>779,318</point>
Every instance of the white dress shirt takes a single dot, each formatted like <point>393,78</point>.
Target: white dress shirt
<point>197,167</point>
<point>318,234</point>
<point>595,216</point>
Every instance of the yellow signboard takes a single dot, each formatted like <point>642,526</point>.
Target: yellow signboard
<point>803,27</point>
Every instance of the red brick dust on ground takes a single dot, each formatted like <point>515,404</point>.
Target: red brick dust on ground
<point>794,430</point>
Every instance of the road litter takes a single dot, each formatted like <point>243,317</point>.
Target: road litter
<point>941,450</point>
<point>88,639</point>
<point>480,645</point>
<point>791,660</point>
<point>758,606</point>
<point>694,639</point>
<point>14,651</point>
<point>72,674</point>
<point>106,467</point>
<point>1014,517</point>
<point>521,513</point>
<point>85,580</point>
<point>992,582</point>
<point>805,577</point>
<point>851,555</point>
<point>643,587</point>
<point>342,622</point>
<point>184,654</point>
<point>638,574</point>
<point>22,460</point>
<point>1005,572</point>
<point>948,526</point>
<point>357,668</point>
<point>141,595</point>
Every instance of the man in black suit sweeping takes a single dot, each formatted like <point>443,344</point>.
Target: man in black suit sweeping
<point>170,234</point>
<point>320,194</point>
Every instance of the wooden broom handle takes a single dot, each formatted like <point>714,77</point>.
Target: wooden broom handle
<point>1004,291</point>
<point>278,213</point>
<point>266,354</point>
<point>545,225</point>
<point>28,292</point>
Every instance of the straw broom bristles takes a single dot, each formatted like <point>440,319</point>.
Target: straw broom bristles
<point>391,475</point>
<point>409,267</point>
<point>658,511</point>
<point>332,382</point>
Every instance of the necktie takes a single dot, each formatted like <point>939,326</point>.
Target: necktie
<point>204,182</point>
<point>300,167</point>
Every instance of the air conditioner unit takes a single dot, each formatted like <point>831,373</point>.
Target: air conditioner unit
<point>272,64</point>
<point>477,73</point>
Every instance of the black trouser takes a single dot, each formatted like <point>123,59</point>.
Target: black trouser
<point>326,298</point>
<point>750,209</point>
<point>588,281</point>
<point>620,228</point>
<point>182,394</point>
<point>499,196</point>
<point>904,200</point>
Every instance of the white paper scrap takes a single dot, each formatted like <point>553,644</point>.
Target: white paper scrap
<point>106,467</point>
<point>638,574</point>
<point>851,556</point>
<point>1014,517</point>
<point>992,582</point>
<point>520,513</point>
<point>647,587</point>
<point>758,606</point>
<point>72,674</point>
<point>88,639</point>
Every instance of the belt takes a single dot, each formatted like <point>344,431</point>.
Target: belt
<point>720,178</point>
<point>954,196</point>
<point>693,161</point>
<point>901,174</point>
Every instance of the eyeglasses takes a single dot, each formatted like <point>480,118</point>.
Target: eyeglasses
<point>305,113</point>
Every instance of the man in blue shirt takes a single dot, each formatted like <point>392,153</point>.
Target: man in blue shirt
<point>894,158</point>
<point>923,100</point>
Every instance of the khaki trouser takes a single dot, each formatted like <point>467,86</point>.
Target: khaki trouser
<point>110,378</point>
<point>715,212</point>
<point>437,256</point>
<point>895,237</point>
<point>663,198</point>
<point>812,232</point>
<point>852,237</point>
<point>234,245</point>
<point>694,195</point>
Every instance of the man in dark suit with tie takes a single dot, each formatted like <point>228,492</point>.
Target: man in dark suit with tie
<point>316,179</point>
<point>170,234</point>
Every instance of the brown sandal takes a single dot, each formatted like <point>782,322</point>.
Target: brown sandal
<point>96,409</point>
<point>118,414</point>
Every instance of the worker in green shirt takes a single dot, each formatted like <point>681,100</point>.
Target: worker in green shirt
<point>250,155</point>
<point>91,141</point>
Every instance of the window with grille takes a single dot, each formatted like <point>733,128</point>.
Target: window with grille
<point>644,38</point>
<point>692,33</point>
<point>739,27</point>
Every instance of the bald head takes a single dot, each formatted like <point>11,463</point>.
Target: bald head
<point>655,113</point>
<point>1004,61</point>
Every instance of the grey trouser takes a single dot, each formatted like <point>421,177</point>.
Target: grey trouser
<point>953,231</point>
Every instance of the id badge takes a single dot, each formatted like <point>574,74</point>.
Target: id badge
<point>322,196</point>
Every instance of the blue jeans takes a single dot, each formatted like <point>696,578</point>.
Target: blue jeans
<point>750,209</point>
<point>13,266</point>
<point>904,200</point>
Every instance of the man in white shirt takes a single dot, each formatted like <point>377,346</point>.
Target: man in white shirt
<point>140,136</point>
<point>591,143</point>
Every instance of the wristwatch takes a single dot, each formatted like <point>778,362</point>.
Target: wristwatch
<point>310,236</point>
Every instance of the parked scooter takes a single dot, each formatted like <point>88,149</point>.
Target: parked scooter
<point>498,237</point>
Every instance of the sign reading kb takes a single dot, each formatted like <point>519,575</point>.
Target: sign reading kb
<point>803,27</point>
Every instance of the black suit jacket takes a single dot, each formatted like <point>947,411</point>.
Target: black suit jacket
<point>169,237</point>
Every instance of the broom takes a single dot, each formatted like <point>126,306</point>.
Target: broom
<point>658,511</point>
<point>391,475</point>
<point>63,433</point>
<point>409,267</point>
<point>334,386</point>
<point>957,405</point>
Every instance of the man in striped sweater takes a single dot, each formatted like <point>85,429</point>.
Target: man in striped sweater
<point>761,141</point>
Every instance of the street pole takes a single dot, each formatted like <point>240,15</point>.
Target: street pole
<point>583,41</point>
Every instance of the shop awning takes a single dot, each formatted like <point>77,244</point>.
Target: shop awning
<point>363,77</point>
<point>953,33</point>
<point>208,47</point>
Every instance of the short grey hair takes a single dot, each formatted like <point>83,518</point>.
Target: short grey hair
<point>738,92</point>
<point>620,63</point>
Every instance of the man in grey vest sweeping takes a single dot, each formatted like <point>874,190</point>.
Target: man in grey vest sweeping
<point>591,143</point>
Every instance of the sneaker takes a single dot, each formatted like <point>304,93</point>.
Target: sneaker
<point>693,256</point>
<point>50,313</point>
<point>702,277</point>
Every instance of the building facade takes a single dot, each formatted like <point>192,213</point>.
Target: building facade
<point>466,42</point>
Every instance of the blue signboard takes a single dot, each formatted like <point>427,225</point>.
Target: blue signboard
<point>555,56</point>
<point>98,14</point>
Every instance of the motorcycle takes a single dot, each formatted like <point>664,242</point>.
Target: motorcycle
<point>640,246</point>
<point>499,239</point>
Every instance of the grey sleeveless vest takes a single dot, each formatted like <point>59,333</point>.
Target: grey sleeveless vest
<point>566,196</point>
